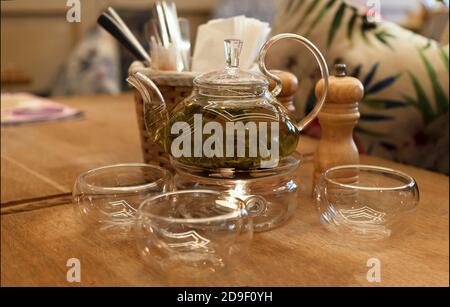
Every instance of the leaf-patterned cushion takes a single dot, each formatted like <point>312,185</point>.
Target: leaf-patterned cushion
<point>404,113</point>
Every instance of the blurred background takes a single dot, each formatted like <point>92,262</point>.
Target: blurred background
<point>38,45</point>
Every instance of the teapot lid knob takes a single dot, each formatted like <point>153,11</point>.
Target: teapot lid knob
<point>233,49</point>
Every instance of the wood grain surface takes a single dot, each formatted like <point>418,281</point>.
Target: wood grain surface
<point>43,159</point>
<point>39,231</point>
<point>37,244</point>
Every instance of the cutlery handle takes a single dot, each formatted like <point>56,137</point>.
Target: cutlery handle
<point>127,32</point>
<point>159,16</point>
<point>114,29</point>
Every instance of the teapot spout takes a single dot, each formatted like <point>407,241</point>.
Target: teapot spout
<point>156,116</point>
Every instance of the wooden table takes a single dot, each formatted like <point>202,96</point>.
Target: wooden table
<point>39,232</point>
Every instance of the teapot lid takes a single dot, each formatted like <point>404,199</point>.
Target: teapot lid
<point>232,77</point>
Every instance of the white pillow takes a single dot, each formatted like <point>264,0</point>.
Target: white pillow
<point>404,114</point>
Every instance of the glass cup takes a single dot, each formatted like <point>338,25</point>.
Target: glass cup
<point>108,197</point>
<point>192,232</point>
<point>366,202</point>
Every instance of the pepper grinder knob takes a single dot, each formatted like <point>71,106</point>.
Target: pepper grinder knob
<point>340,70</point>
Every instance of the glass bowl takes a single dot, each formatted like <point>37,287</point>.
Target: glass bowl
<point>193,232</point>
<point>366,202</point>
<point>107,198</point>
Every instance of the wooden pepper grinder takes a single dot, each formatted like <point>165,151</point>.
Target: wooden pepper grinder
<point>289,86</point>
<point>338,117</point>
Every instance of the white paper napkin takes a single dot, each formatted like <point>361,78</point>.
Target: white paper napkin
<point>209,47</point>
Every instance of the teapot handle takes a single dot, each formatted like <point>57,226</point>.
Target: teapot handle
<point>320,60</point>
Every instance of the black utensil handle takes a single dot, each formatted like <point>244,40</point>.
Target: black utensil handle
<point>115,16</point>
<point>114,29</point>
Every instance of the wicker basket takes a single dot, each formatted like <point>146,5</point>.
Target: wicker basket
<point>175,86</point>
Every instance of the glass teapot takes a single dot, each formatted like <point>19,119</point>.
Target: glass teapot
<point>231,119</point>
